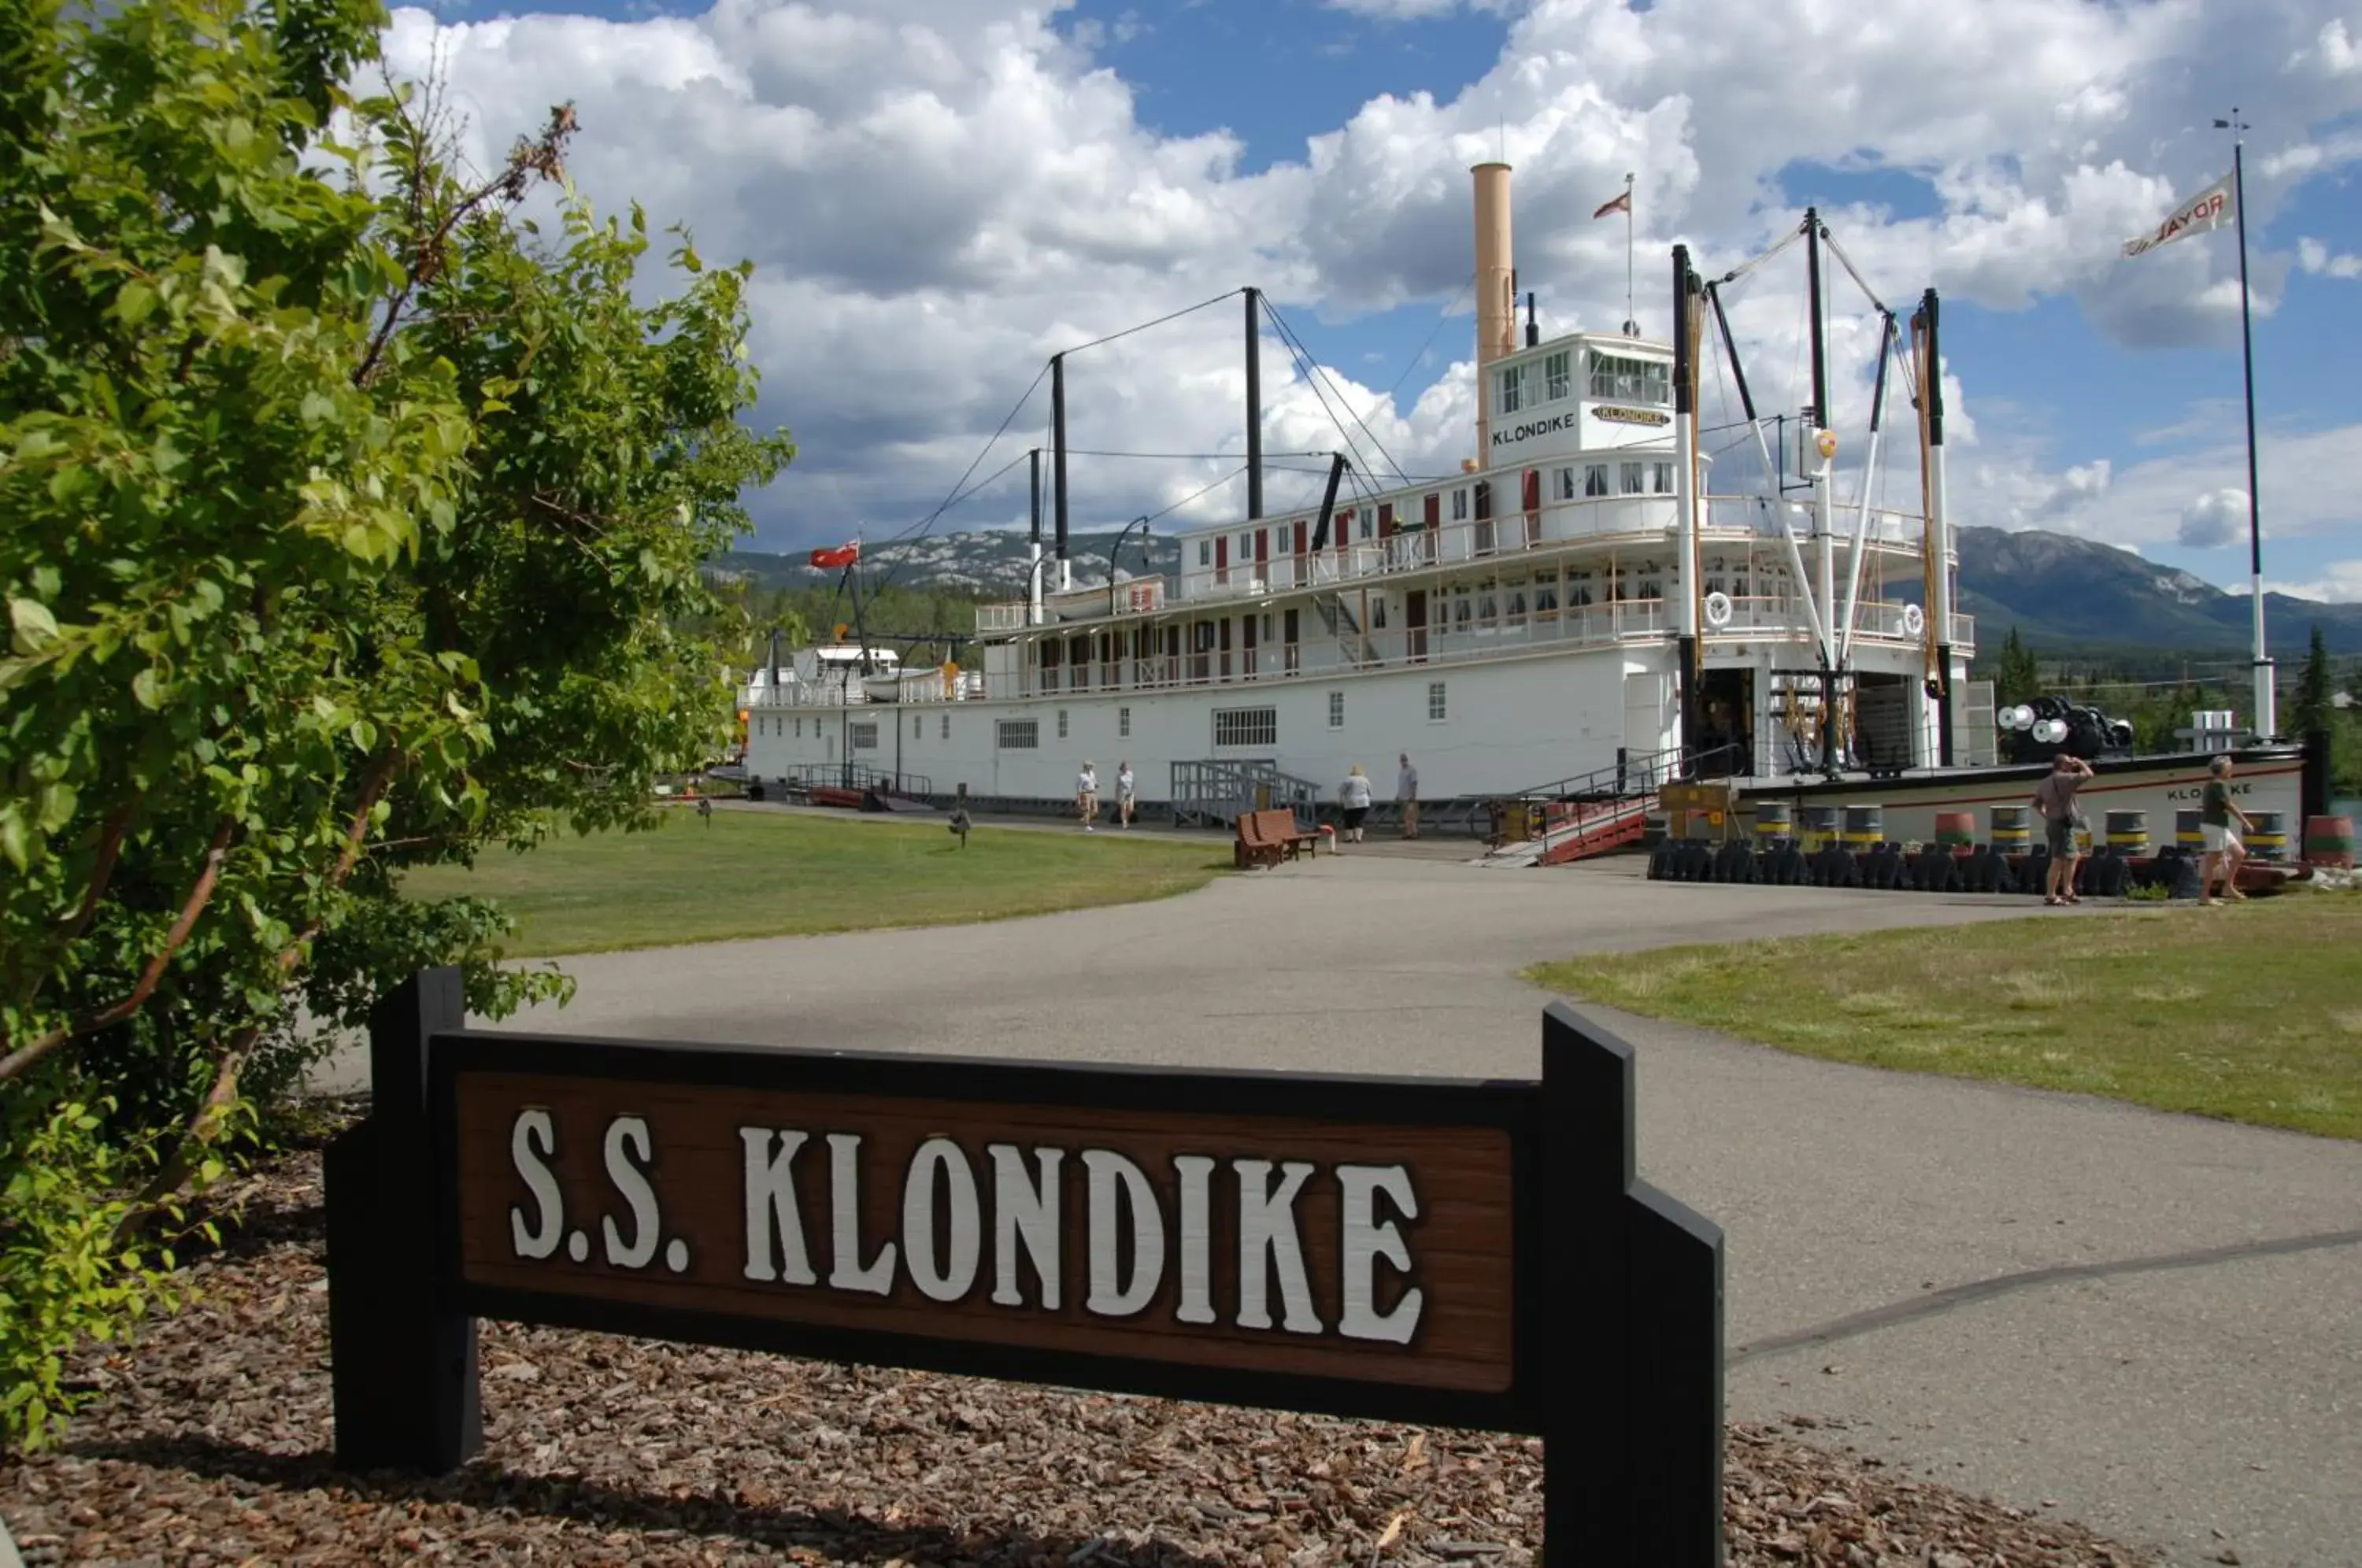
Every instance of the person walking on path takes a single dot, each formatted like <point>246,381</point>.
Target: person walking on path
<point>1353,798</point>
<point>1407,792</point>
<point>1086,795</point>
<point>1125,800</point>
<point>2225,850</point>
<point>2061,813</point>
<point>705,809</point>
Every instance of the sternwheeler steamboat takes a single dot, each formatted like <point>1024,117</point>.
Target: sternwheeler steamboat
<point>1583,614</point>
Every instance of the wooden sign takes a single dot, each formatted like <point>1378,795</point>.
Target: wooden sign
<point>1456,1252</point>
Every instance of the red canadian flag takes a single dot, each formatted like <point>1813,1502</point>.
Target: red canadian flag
<point>1622,204</point>
<point>843,556</point>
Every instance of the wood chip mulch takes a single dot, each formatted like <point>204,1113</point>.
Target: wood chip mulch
<point>209,1444</point>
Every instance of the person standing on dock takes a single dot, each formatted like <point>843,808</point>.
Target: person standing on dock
<point>1086,795</point>
<point>1126,799</point>
<point>2061,813</point>
<point>1353,800</point>
<point>1407,792</point>
<point>2225,851</point>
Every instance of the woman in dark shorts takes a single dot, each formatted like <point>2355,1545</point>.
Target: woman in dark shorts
<point>1353,798</point>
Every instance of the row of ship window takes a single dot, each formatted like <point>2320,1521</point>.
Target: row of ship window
<point>1232,727</point>
<point>1574,481</point>
<point>1613,377</point>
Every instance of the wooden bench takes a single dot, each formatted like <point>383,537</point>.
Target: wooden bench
<point>1266,838</point>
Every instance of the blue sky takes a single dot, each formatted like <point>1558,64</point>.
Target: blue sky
<point>2065,364</point>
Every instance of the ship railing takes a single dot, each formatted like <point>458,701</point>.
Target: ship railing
<point>918,686</point>
<point>1357,553</point>
<point>1507,634</point>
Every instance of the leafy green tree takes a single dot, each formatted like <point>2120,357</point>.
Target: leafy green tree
<point>2019,677</point>
<point>354,523</point>
<point>2312,714</point>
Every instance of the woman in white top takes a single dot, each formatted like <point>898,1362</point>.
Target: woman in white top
<point>1353,796</point>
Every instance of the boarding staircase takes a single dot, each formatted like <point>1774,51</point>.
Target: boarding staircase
<point>856,786</point>
<point>1597,813</point>
<point>1216,791</point>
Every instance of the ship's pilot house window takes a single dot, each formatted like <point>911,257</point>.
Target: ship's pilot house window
<point>1556,372</point>
<point>1622,380</point>
<point>1204,552</point>
<point>1633,475</point>
<point>1512,385</point>
<point>1460,506</point>
<point>1595,479</point>
<point>1562,485</point>
<point>1660,477</point>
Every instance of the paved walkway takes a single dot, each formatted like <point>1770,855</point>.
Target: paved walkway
<point>2147,1322</point>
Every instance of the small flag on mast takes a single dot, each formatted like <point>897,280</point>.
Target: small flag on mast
<point>1622,204</point>
<point>2210,209</point>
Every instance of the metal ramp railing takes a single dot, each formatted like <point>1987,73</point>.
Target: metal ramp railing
<point>1215,792</point>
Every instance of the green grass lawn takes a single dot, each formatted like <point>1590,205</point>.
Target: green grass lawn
<point>2252,1013</point>
<point>765,874</point>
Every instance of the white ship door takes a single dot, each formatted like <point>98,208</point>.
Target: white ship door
<point>1648,705</point>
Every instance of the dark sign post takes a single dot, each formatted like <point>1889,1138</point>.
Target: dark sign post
<point>1448,1251</point>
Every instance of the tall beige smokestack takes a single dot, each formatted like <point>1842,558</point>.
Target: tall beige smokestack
<point>1497,291</point>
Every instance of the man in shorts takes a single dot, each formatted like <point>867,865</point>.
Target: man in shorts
<point>1086,795</point>
<point>2055,798</point>
<point>1127,799</point>
<point>1407,792</point>
<point>2225,851</point>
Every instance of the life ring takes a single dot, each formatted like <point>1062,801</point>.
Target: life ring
<point>1717,609</point>
<point>1913,621</point>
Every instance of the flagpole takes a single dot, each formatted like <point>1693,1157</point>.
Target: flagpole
<point>1631,326</point>
<point>2267,716</point>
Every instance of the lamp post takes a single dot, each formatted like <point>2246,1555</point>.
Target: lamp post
<point>1139,523</point>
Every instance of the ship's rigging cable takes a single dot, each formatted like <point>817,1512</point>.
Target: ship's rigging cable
<point>902,543</point>
<point>1466,290</point>
<point>1851,272</point>
<point>1304,365</point>
<point>1170,315</point>
<point>918,530</point>
<point>1198,456</point>
<point>1320,375</point>
<point>1735,273</point>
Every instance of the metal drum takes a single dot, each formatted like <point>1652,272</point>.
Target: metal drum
<point>2128,831</point>
<point>2267,839</point>
<point>1956,830</point>
<point>1820,828</point>
<point>1774,819</point>
<point>2012,829</point>
<point>2329,840</point>
<point>1865,826</point>
<point>2187,830</point>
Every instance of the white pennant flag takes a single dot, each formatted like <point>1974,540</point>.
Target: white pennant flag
<point>2210,209</point>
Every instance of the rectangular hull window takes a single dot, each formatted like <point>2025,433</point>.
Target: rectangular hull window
<point>1246,726</point>
<point>1020,734</point>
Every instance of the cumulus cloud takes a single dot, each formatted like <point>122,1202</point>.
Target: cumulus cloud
<point>2213,520</point>
<point>938,196</point>
<point>2317,259</point>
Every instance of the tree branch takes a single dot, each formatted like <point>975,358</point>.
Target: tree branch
<point>20,1061</point>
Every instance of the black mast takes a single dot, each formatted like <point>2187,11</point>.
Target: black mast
<point>1329,503</point>
<point>1254,404</point>
<point>1816,419</point>
<point>1684,406</point>
<point>1931,387</point>
<point>1058,455</point>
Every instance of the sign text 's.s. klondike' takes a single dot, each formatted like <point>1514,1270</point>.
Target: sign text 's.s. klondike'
<point>1447,1252</point>
<point>1234,1240</point>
